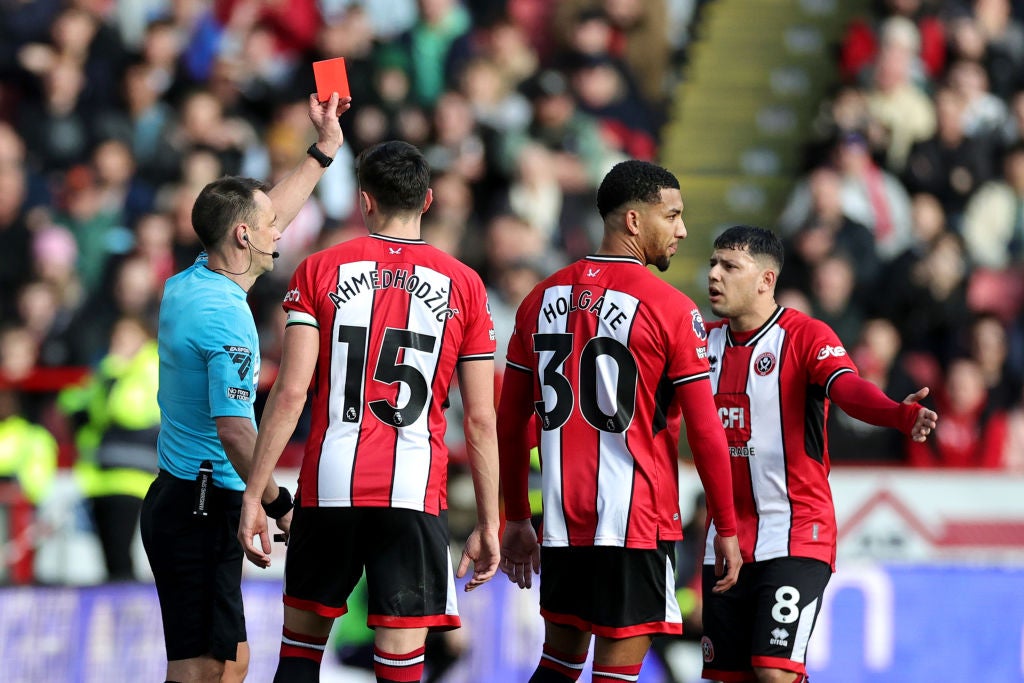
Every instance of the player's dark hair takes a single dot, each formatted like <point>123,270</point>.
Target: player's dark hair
<point>396,174</point>
<point>222,204</point>
<point>757,241</point>
<point>633,181</point>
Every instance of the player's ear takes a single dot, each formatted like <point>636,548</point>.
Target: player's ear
<point>428,200</point>
<point>240,235</point>
<point>366,202</point>
<point>632,219</point>
<point>769,277</point>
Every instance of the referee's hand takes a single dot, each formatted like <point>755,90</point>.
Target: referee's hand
<point>253,522</point>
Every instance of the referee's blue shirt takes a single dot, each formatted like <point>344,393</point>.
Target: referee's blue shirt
<point>209,368</point>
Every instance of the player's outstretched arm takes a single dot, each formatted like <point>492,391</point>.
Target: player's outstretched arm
<point>926,419</point>
<point>476,384</point>
<point>864,401</point>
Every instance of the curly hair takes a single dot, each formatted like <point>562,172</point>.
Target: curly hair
<point>633,181</point>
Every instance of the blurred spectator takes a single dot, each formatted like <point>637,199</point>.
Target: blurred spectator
<point>870,196</point>
<point>534,194</point>
<point>861,40</point>
<point>118,421</point>
<point>492,98</point>
<point>971,432</point>
<point>1004,45</point>
<point>1012,456</point>
<point>28,452</point>
<point>581,156</point>
<point>434,48</point>
<point>985,114</point>
<point>45,315</point>
<point>927,301</point>
<point>123,194</point>
<point>98,229</point>
<point>15,257</point>
<point>988,344</point>
<point>828,229</point>
<point>949,165</point>
<point>603,91</point>
<point>1013,129</point>
<point>879,358</point>
<point>833,282</point>
<point>132,291</point>
<point>993,225</point>
<point>149,120</point>
<point>896,103</point>
<point>457,145</point>
<point>638,36</point>
<point>54,254</point>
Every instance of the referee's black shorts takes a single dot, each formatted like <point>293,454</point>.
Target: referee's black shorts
<point>197,566</point>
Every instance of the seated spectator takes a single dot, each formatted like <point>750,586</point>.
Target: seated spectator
<point>896,102</point>
<point>949,165</point>
<point>988,344</point>
<point>861,40</point>
<point>971,432</point>
<point>993,226</point>
<point>879,358</point>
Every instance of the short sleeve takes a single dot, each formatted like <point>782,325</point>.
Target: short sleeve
<point>479,340</point>
<point>519,355</point>
<point>232,363</point>
<point>823,354</point>
<point>298,300</point>
<point>689,360</point>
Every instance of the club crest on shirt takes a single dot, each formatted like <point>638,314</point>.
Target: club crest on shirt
<point>707,649</point>
<point>698,325</point>
<point>765,363</point>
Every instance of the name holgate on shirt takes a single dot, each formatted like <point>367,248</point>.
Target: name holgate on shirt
<point>435,299</point>
<point>607,310</point>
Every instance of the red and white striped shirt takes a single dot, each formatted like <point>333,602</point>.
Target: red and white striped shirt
<point>606,343</point>
<point>395,316</point>
<point>771,388</point>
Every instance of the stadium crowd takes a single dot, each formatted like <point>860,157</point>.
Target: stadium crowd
<point>906,234</point>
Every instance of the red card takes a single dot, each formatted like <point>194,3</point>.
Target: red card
<point>330,77</point>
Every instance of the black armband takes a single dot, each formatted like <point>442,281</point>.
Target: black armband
<point>281,506</point>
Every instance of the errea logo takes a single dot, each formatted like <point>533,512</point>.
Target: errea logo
<point>827,350</point>
<point>780,636</point>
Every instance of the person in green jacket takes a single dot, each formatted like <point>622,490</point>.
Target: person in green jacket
<point>119,420</point>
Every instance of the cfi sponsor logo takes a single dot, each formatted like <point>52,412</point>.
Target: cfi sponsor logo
<point>698,325</point>
<point>292,296</point>
<point>764,364</point>
<point>707,649</point>
<point>827,350</point>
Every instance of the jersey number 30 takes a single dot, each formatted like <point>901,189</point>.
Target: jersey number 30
<point>592,383</point>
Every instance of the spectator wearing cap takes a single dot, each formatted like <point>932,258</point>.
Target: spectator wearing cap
<point>580,154</point>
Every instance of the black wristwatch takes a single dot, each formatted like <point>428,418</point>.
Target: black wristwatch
<point>320,157</point>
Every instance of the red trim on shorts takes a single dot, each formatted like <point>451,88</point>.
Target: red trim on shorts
<point>728,676</point>
<point>644,629</point>
<point>315,607</point>
<point>442,622</point>
<point>779,663</point>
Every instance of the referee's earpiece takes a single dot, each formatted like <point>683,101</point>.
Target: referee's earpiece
<point>245,237</point>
